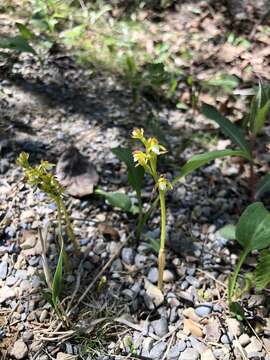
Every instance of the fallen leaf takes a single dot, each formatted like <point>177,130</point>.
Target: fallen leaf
<point>108,230</point>
<point>190,327</point>
<point>76,174</point>
<point>212,330</point>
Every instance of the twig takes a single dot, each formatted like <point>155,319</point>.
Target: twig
<point>168,347</point>
<point>105,267</point>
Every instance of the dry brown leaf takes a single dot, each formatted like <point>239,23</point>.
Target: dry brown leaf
<point>190,327</point>
<point>76,174</point>
<point>108,230</point>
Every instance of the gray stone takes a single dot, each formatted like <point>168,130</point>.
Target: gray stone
<point>226,338</point>
<point>116,265</point>
<point>6,293</point>
<point>146,346</point>
<point>175,351</point>
<point>168,276</point>
<point>128,255</point>
<point>158,350</point>
<point>189,354</point>
<point>140,260</point>
<point>27,335</point>
<point>203,309</point>
<point>43,315</point>
<point>244,339</point>
<point>19,350</point>
<point>153,275</point>
<point>184,285</point>
<point>217,308</point>
<point>11,280</point>
<point>196,344</point>
<point>160,326</point>
<point>3,269</point>
<point>254,346</point>
<point>193,281</point>
<point>256,355</point>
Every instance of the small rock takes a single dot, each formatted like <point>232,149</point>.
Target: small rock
<point>140,261</point>
<point>203,310</point>
<point>193,281</point>
<point>3,269</point>
<point>190,314</point>
<point>197,345</point>
<point>158,350</point>
<point>234,326</point>
<point>27,335</point>
<point>146,346</point>
<point>254,346</point>
<point>244,339</point>
<point>11,280</point>
<point>6,293</point>
<point>160,326</point>
<point>128,255</point>
<point>154,293</point>
<point>207,355</point>
<point>153,275</point>
<point>256,355</point>
<point>189,354</point>
<point>43,315</point>
<point>226,338</point>
<point>174,352</point>
<point>212,330</point>
<point>64,356</point>
<point>19,350</point>
<point>168,276</point>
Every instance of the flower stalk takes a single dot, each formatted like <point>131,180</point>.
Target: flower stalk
<point>148,160</point>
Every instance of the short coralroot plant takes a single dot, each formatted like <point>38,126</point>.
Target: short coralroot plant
<point>148,160</point>
<point>40,178</point>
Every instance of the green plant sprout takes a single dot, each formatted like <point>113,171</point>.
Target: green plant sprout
<point>253,125</point>
<point>148,160</point>
<point>40,178</point>
<point>252,232</point>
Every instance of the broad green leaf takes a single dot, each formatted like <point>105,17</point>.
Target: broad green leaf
<point>225,81</point>
<point>17,43</point>
<point>228,232</point>
<point>24,31</point>
<point>117,199</point>
<point>229,129</point>
<point>135,173</point>
<point>262,272</point>
<point>200,160</point>
<point>263,186</point>
<point>57,279</point>
<point>253,228</point>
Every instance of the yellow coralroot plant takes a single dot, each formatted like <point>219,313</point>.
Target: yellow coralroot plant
<point>148,160</point>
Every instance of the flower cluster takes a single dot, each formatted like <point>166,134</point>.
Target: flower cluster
<point>148,158</point>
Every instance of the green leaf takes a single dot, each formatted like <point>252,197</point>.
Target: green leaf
<point>260,118</point>
<point>200,160</point>
<point>228,232</point>
<point>57,279</point>
<point>263,186</point>
<point>135,173</point>
<point>24,31</point>
<point>237,309</point>
<point>117,199</point>
<point>229,129</point>
<point>262,272</point>
<point>17,43</point>
<point>253,228</point>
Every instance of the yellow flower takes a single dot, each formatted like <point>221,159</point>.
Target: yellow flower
<point>140,157</point>
<point>164,184</point>
<point>138,134</point>
<point>154,146</point>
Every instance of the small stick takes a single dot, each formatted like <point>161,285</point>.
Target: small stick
<point>105,267</point>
